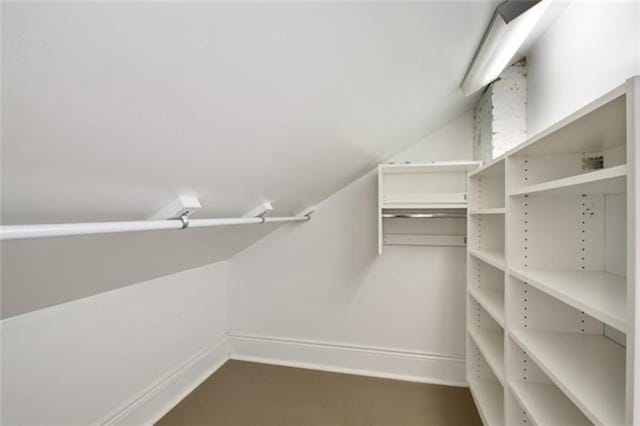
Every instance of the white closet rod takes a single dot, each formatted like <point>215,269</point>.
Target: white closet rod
<point>19,232</point>
<point>424,215</point>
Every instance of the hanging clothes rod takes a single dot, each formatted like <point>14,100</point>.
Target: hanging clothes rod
<point>20,232</point>
<point>424,215</point>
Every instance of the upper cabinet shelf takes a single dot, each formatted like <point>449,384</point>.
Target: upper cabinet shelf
<point>412,200</point>
<point>424,186</point>
<point>418,187</point>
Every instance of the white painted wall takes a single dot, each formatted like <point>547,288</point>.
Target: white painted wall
<point>123,355</point>
<point>450,142</point>
<point>319,295</point>
<point>235,102</point>
<point>590,49</point>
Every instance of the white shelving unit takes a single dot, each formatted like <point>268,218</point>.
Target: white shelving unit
<point>551,277</point>
<point>423,204</point>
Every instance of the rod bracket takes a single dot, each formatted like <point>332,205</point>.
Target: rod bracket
<point>308,212</point>
<point>184,218</point>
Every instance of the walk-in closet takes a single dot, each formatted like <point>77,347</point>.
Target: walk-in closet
<point>320,213</point>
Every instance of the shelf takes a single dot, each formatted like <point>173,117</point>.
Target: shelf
<point>493,168</point>
<point>441,167</point>
<point>611,180</point>
<point>547,405</point>
<point>500,210</point>
<point>488,396</point>
<point>491,345</point>
<point>492,257</point>
<point>590,369</point>
<point>425,200</point>
<point>599,294</point>
<point>492,301</point>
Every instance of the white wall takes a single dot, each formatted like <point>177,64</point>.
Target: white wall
<point>145,101</point>
<point>450,142</point>
<point>318,295</point>
<point>124,355</point>
<point>590,49</point>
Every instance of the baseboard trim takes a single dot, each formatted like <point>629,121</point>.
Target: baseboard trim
<point>385,363</point>
<point>159,398</point>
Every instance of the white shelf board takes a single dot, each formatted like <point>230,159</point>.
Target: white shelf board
<point>425,200</point>
<point>547,405</point>
<point>491,345</point>
<point>488,396</point>
<point>492,168</point>
<point>492,257</point>
<point>500,210</point>
<point>598,126</point>
<point>611,180</point>
<point>599,294</point>
<point>590,369</point>
<point>441,167</point>
<point>492,301</point>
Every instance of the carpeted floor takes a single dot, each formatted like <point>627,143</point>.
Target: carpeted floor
<point>245,393</point>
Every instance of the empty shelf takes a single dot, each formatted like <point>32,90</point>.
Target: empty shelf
<point>492,301</point>
<point>590,369</point>
<point>493,168</point>
<point>492,257</point>
<point>611,180</point>
<point>547,405</point>
<point>599,294</point>
<point>491,345</point>
<point>500,210</point>
<point>488,396</point>
<point>424,200</point>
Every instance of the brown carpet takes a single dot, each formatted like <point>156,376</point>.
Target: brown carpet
<point>245,393</point>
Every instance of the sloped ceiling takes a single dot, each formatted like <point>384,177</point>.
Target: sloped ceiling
<point>111,110</point>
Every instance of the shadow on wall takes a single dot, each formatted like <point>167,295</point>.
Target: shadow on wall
<point>45,272</point>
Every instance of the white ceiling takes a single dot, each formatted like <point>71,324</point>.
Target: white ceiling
<point>110,110</point>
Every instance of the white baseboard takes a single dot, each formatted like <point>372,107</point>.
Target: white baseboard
<point>158,399</point>
<point>366,361</point>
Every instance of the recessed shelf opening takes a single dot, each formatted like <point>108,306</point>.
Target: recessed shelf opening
<point>486,287</point>
<point>580,354</point>
<point>487,189</point>
<point>535,394</point>
<point>595,141</point>
<point>571,232</point>
<point>486,390</point>
<point>486,235</point>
